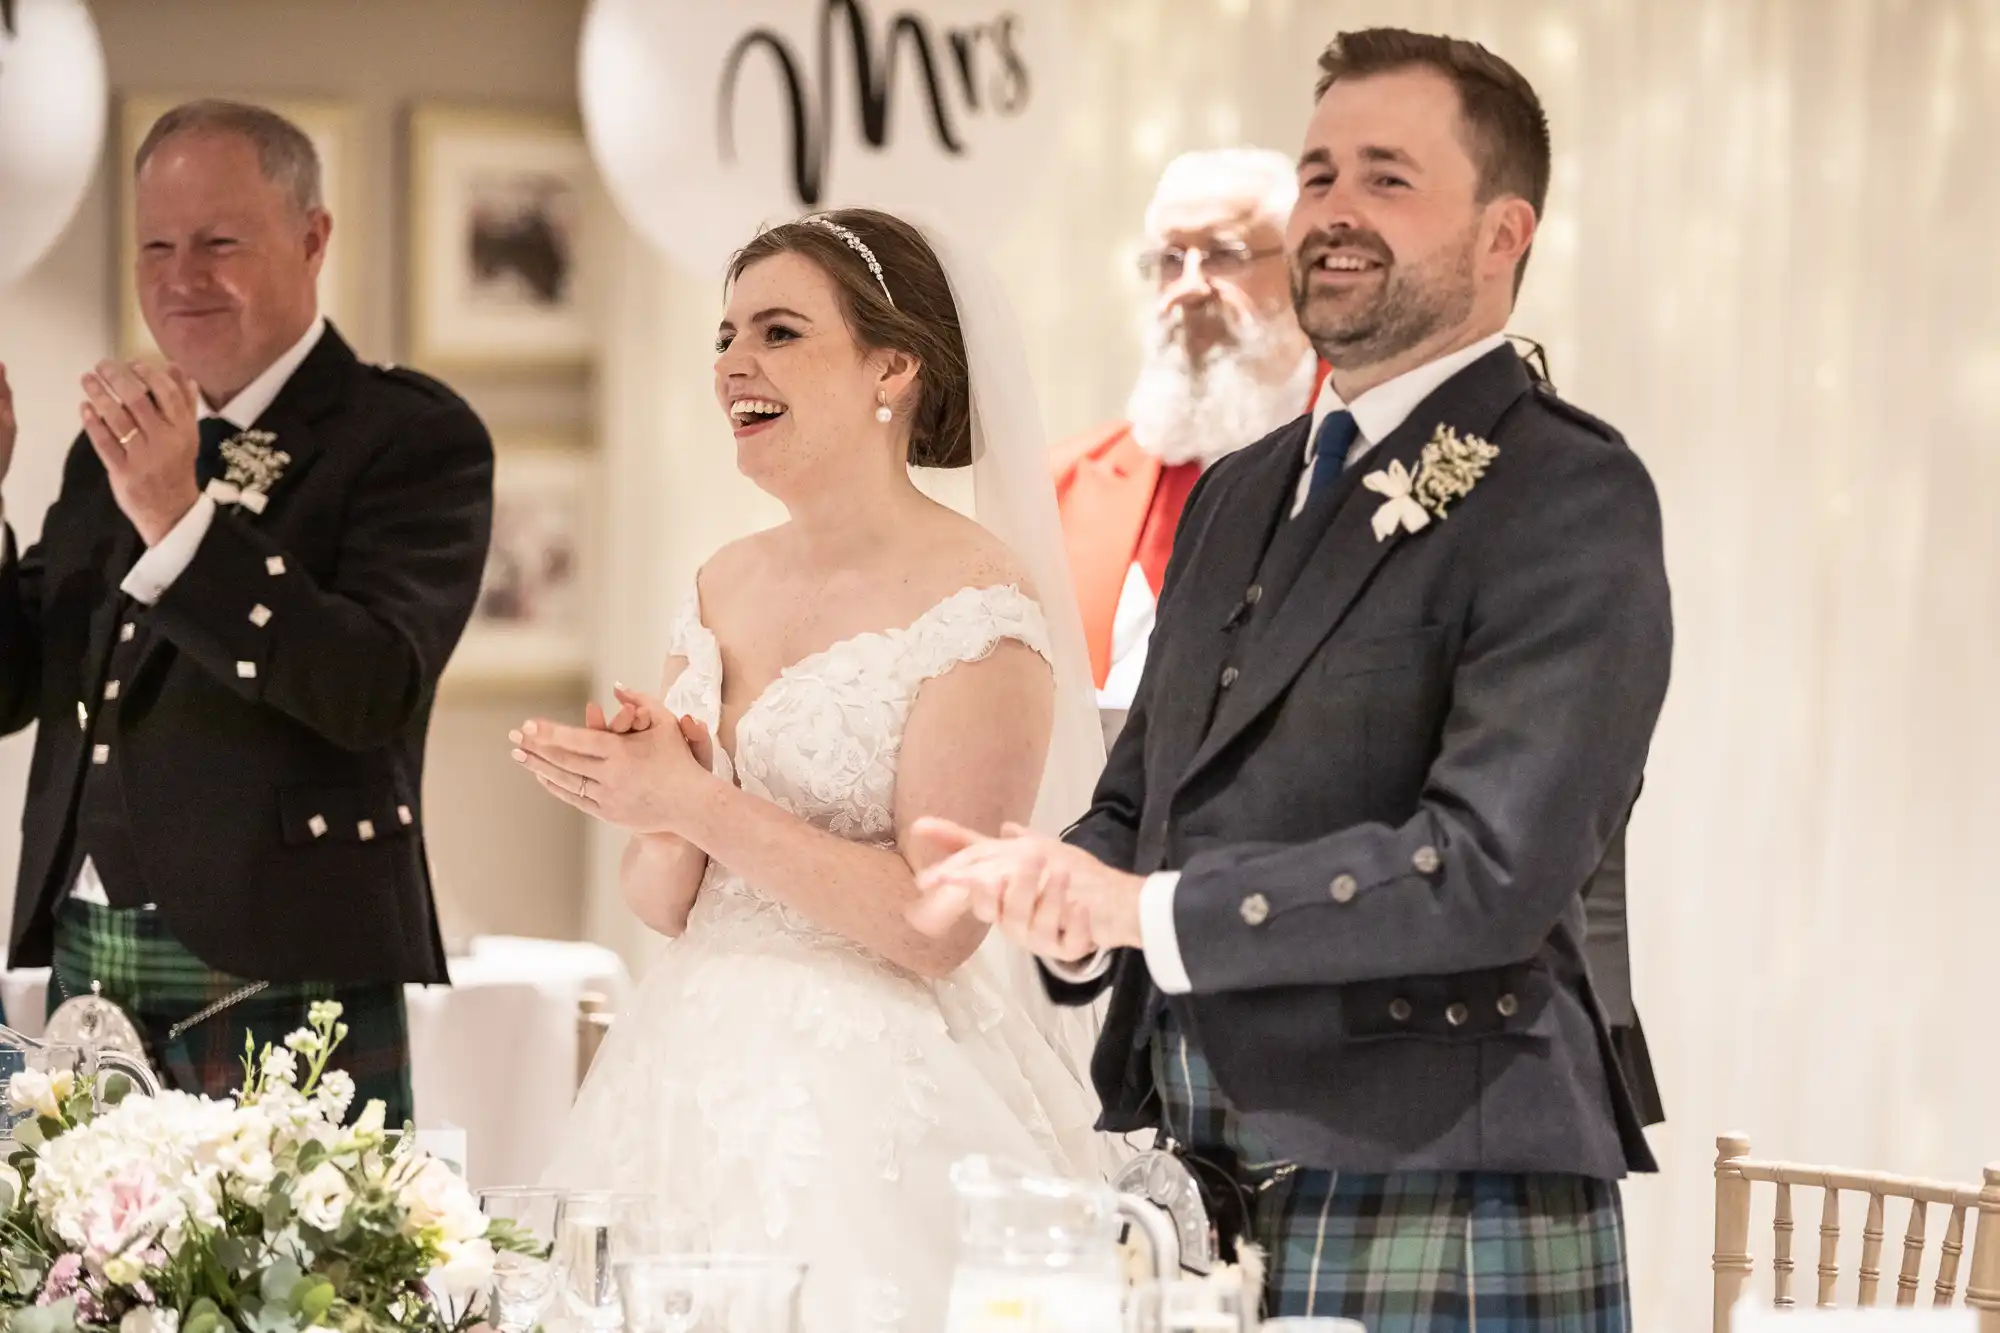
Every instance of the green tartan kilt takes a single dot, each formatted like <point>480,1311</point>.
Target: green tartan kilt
<point>140,967</point>
<point>1411,1251</point>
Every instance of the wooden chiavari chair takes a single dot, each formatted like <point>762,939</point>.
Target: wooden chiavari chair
<point>1735,1173</point>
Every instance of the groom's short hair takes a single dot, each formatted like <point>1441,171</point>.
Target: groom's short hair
<point>1507,130</point>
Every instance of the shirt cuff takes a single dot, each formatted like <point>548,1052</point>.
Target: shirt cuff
<point>156,570</point>
<point>1081,972</point>
<point>1156,933</point>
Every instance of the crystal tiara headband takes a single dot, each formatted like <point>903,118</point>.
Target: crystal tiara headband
<point>859,247</point>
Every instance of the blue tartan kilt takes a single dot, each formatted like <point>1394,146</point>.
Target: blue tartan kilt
<point>1409,1252</point>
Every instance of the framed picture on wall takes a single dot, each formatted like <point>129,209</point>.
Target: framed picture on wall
<point>333,129</point>
<point>497,207</point>
<point>533,622</point>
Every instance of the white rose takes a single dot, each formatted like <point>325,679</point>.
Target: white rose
<point>464,1268</point>
<point>32,1090</point>
<point>437,1200</point>
<point>322,1197</point>
<point>149,1319</point>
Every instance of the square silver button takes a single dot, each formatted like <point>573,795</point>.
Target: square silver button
<point>247,670</point>
<point>318,826</point>
<point>110,690</point>
<point>100,754</point>
<point>276,565</point>
<point>366,828</point>
<point>260,615</point>
<point>403,813</point>
<point>127,632</point>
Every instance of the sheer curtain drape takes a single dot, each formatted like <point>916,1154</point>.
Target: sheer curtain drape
<point>1770,260</point>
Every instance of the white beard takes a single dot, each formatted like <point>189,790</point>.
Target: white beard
<point>1182,413</point>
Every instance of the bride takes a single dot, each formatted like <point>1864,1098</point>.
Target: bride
<point>803,1066</point>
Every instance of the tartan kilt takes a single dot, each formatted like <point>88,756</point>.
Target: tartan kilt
<point>153,977</point>
<point>1409,1252</point>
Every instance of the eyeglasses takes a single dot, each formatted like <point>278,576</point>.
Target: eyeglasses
<point>1225,259</point>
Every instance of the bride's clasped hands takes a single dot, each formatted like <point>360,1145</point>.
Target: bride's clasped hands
<point>629,769</point>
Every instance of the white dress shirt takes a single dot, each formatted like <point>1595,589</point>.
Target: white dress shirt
<point>1131,631</point>
<point>1377,414</point>
<point>155,571</point>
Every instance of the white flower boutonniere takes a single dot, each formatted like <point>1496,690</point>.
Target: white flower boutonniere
<point>1450,466</point>
<point>252,467</point>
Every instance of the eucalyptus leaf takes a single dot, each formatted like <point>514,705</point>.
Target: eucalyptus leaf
<point>29,1134</point>
<point>233,1254</point>
<point>278,1280</point>
<point>57,1318</point>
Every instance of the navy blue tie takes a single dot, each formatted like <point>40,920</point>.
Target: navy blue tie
<point>1336,436</point>
<point>208,461</point>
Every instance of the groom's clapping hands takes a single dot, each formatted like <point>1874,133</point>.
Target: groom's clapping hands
<point>1055,900</point>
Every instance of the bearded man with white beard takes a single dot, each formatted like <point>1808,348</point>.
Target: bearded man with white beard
<point>1226,364</point>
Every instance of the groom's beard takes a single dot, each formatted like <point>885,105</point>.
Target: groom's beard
<point>1241,390</point>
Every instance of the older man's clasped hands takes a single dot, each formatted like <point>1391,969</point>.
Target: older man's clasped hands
<point>1055,900</point>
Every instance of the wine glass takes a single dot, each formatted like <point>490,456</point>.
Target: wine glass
<point>1186,1306</point>
<point>710,1293</point>
<point>601,1228</point>
<point>524,1285</point>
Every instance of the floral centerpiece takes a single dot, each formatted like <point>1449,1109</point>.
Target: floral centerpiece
<point>258,1214</point>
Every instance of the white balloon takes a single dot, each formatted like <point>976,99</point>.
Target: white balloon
<point>709,118</point>
<point>52,113</point>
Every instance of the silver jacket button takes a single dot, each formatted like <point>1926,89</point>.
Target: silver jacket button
<point>1400,1010</point>
<point>1255,909</point>
<point>1426,861</point>
<point>1229,675</point>
<point>1456,1014</point>
<point>1508,1005</point>
<point>1343,888</point>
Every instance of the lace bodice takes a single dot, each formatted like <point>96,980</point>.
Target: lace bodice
<point>823,739</point>
<point>799,1093</point>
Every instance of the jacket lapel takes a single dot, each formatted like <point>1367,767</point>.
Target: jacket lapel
<point>1105,511</point>
<point>1221,572</point>
<point>314,390</point>
<point>1346,557</point>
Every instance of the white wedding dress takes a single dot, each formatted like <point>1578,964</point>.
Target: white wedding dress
<point>795,1091</point>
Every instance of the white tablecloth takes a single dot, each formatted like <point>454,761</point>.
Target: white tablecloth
<point>494,1053</point>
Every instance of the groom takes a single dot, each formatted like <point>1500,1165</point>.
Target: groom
<point>1387,733</point>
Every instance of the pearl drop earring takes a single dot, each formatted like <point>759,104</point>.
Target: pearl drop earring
<point>882,412</point>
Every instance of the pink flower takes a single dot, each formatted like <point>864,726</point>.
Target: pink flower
<point>62,1278</point>
<point>120,1211</point>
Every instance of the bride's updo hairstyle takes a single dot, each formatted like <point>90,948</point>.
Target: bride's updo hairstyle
<point>906,308</point>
